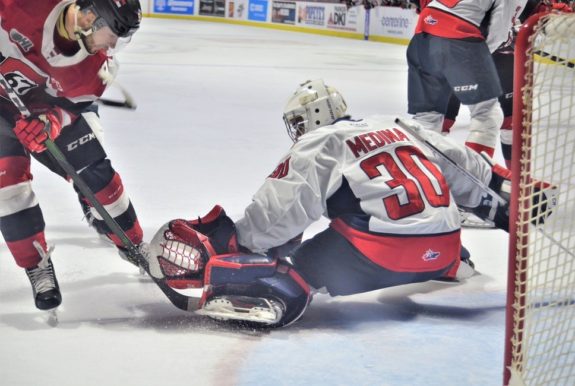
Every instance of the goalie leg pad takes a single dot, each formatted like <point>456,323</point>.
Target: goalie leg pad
<point>253,288</point>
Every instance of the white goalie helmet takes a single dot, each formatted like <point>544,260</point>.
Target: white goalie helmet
<point>312,105</point>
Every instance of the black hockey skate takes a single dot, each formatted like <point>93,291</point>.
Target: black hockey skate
<point>45,286</point>
<point>143,249</point>
<point>257,311</point>
<point>97,225</point>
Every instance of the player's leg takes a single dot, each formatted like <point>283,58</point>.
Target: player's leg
<point>330,261</point>
<point>472,75</point>
<point>452,111</point>
<point>21,220</point>
<point>82,148</point>
<point>504,63</point>
<point>428,90</point>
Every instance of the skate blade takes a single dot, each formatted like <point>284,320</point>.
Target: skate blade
<point>52,317</point>
<point>477,225</point>
<point>262,311</point>
<point>474,222</point>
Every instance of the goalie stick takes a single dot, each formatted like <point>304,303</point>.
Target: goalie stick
<point>470,177</point>
<point>179,300</point>
<point>452,164</point>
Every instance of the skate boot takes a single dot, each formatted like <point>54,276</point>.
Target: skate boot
<point>91,220</point>
<point>45,287</point>
<point>144,250</point>
<point>465,270</point>
<point>466,267</point>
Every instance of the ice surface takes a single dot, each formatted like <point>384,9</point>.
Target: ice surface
<point>208,130</point>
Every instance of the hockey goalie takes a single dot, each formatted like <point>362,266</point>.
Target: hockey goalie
<point>390,190</point>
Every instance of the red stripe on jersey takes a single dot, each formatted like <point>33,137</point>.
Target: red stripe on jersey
<point>445,25</point>
<point>112,191</point>
<point>479,148</point>
<point>404,254</point>
<point>24,252</point>
<point>14,170</point>
<point>506,125</point>
<point>135,234</point>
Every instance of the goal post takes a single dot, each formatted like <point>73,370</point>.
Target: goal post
<point>540,315</point>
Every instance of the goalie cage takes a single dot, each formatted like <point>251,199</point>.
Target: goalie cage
<point>540,315</point>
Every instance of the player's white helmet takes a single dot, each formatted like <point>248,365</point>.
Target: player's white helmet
<point>311,106</point>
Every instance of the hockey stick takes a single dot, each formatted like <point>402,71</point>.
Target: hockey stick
<point>179,300</point>
<point>486,189</point>
<point>128,102</point>
<point>559,60</point>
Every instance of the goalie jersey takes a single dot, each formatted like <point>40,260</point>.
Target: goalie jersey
<point>376,183</point>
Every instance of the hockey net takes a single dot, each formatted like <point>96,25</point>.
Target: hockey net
<point>540,324</point>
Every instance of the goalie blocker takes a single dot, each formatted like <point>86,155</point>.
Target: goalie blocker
<point>237,286</point>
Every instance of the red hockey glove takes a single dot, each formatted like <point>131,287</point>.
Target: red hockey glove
<point>33,131</point>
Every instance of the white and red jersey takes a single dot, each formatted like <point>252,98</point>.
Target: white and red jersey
<point>371,173</point>
<point>490,20</point>
<point>35,68</point>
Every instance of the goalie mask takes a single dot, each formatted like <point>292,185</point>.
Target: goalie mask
<point>313,105</point>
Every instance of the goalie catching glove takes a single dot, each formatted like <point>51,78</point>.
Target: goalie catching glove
<point>237,286</point>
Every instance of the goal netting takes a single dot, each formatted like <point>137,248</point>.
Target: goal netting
<point>540,330</point>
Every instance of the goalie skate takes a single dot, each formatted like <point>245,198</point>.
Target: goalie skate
<point>243,308</point>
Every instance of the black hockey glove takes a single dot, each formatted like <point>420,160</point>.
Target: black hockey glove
<point>493,210</point>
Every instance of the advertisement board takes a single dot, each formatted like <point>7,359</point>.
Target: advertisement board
<point>388,24</point>
<point>311,15</point>
<point>340,18</point>
<point>177,7</point>
<point>212,8</point>
<point>258,10</point>
<point>238,9</point>
<point>392,22</point>
<point>283,12</point>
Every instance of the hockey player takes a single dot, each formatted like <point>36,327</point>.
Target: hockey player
<point>50,54</point>
<point>390,199</point>
<point>503,58</point>
<point>451,53</point>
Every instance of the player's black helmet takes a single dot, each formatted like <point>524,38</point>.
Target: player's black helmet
<point>122,16</point>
